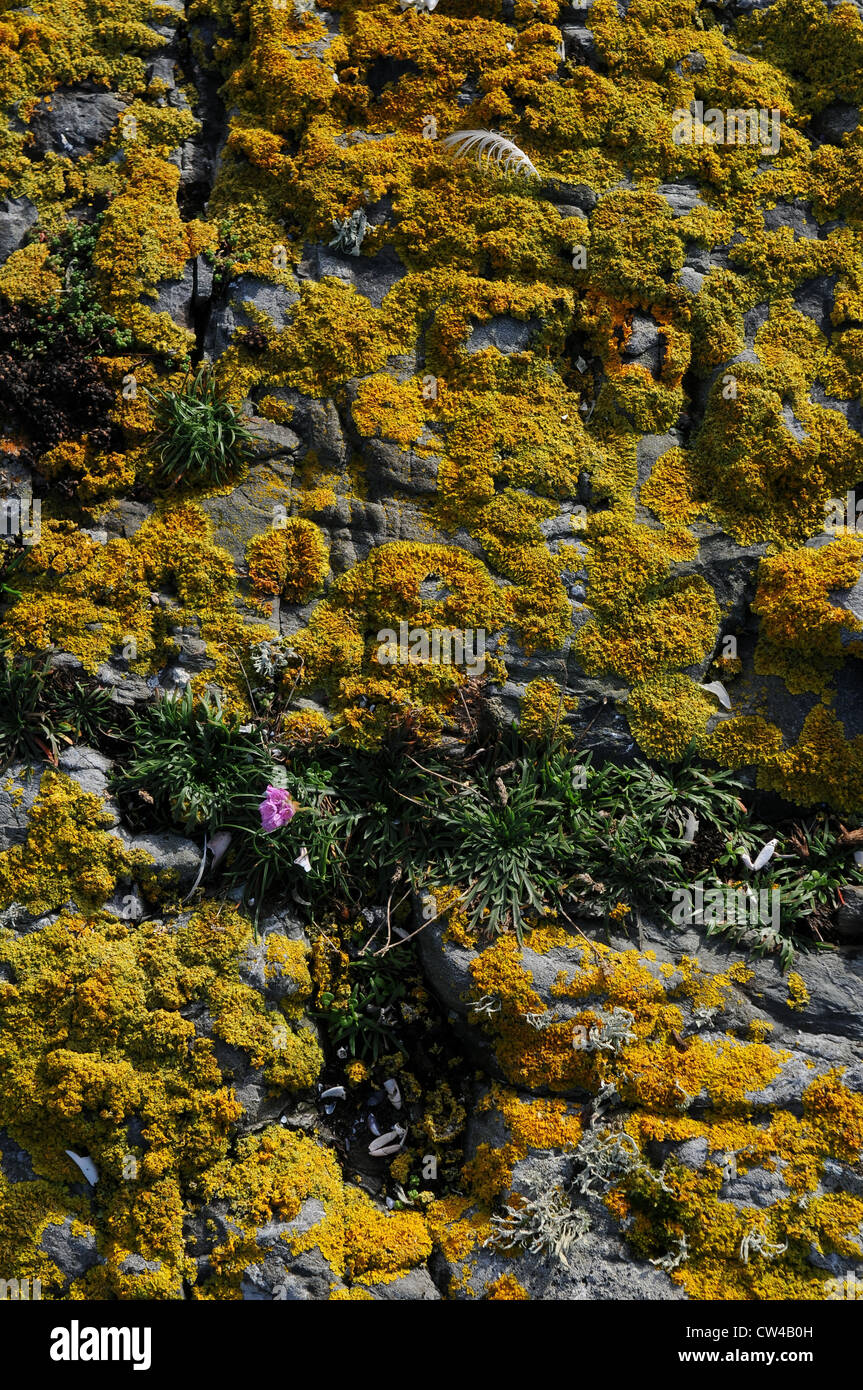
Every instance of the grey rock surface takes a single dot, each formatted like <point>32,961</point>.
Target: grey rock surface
<point>505,334</point>
<point>272,300</point>
<point>17,216</point>
<point>176,860</point>
<point>73,122</point>
<point>73,1254</point>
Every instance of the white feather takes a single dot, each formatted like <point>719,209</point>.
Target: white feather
<point>764,855</point>
<point>218,845</point>
<point>496,149</point>
<point>201,867</point>
<point>87,1166</point>
<point>718,689</point>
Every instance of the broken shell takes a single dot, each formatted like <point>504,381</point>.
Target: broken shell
<point>373,1125</point>
<point>334,1093</point>
<point>718,689</point>
<point>87,1166</point>
<point>394,1094</point>
<point>763,857</point>
<point>390,1143</point>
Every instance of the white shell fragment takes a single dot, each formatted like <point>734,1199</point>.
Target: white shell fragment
<point>394,1094</point>
<point>303,860</point>
<point>333,1093</point>
<point>389,1143</point>
<point>87,1166</point>
<point>718,689</point>
<point>690,829</point>
<point>764,855</point>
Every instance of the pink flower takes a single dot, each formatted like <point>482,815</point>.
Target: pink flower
<point>277,809</point>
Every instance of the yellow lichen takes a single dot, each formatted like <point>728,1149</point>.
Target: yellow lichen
<point>291,561</point>
<point>67,853</point>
